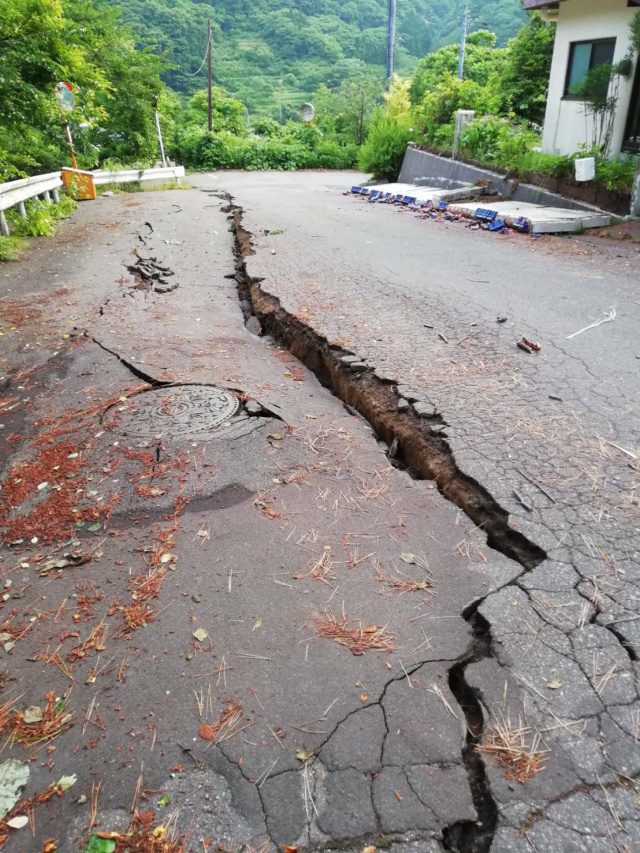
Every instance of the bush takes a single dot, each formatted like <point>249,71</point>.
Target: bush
<point>616,174</point>
<point>293,146</point>
<point>439,106</point>
<point>11,248</point>
<point>41,217</point>
<point>497,140</point>
<point>384,147</point>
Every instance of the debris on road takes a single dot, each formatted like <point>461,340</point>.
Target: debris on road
<point>608,318</point>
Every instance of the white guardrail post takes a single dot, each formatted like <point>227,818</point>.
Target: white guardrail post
<point>15,193</point>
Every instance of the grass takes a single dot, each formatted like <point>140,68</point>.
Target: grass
<point>11,248</point>
<point>136,187</point>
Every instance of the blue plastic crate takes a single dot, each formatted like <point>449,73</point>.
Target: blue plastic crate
<point>443,205</point>
<point>521,224</point>
<point>496,225</point>
<point>357,190</point>
<point>485,214</point>
<point>409,199</point>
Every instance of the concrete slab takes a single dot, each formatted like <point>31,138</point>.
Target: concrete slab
<point>543,219</point>
<point>427,194</point>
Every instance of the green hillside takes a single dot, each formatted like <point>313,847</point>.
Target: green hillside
<point>272,52</point>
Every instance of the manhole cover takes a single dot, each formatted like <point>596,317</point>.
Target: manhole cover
<point>174,410</point>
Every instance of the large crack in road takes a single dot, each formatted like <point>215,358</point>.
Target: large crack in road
<point>424,454</point>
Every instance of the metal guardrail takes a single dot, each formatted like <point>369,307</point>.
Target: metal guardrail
<point>131,176</point>
<point>15,193</point>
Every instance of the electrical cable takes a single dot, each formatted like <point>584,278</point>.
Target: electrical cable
<point>206,54</point>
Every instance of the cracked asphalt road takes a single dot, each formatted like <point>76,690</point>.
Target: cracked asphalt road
<point>558,432</point>
<point>263,733</point>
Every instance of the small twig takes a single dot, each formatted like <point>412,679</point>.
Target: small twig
<point>536,484</point>
<point>606,319</point>
<point>629,453</point>
<point>407,674</point>
<point>438,692</point>
<point>522,501</point>
<point>264,776</point>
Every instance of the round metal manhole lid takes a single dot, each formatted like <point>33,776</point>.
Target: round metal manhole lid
<point>173,411</point>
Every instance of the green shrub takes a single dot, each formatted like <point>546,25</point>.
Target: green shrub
<point>40,221</point>
<point>41,217</point>
<point>293,146</point>
<point>616,174</point>
<point>443,137</point>
<point>383,150</point>
<point>11,248</point>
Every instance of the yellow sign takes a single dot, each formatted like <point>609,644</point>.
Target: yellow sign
<point>78,183</point>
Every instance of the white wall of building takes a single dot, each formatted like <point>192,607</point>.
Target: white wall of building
<point>565,127</point>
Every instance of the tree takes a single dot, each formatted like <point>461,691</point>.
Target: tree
<point>482,61</point>
<point>46,41</point>
<point>346,112</point>
<point>228,113</point>
<point>525,73</point>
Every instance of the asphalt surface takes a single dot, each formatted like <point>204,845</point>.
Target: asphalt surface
<point>258,732</point>
<point>212,556</point>
<point>553,437</point>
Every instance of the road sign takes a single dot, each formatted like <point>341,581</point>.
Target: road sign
<point>65,97</point>
<point>307,112</point>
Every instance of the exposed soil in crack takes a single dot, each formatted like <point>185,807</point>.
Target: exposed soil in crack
<point>418,447</point>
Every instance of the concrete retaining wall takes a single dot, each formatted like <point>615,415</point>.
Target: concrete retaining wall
<point>426,169</point>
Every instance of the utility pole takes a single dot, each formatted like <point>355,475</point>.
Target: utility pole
<point>463,41</point>
<point>391,38</point>
<point>210,105</point>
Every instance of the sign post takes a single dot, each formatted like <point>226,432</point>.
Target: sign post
<point>66,102</point>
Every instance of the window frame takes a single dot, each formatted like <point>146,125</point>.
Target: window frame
<point>567,96</point>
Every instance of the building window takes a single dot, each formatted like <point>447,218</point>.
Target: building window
<point>584,56</point>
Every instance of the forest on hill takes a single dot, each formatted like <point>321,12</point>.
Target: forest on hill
<point>275,53</point>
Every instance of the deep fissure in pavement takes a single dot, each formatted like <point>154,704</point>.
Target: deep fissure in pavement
<point>421,449</point>
<point>425,454</point>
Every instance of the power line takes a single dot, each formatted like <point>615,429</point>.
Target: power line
<point>206,56</point>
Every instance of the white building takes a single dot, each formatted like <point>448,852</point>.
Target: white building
<point>589,33</point>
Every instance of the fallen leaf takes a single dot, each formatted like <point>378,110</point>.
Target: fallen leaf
<point>66,782</point>
<point>33,714</point>
<point>145,818</point>
<point>257,624</point>
<point>74,558</point>
<point>207,731</point>
<point>200,634</point>
<point>18,822</point>
<point>304,755</point>
<point>408,558</point>
<point>554,684</point>
<point>369,849</point>
<point>363,697</point>
<point>14,775</point>
<point>397,795</point>
<point>276,436</point>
